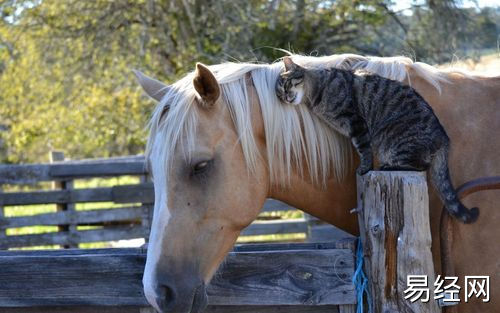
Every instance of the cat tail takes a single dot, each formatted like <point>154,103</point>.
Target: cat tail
<point>440,177</point>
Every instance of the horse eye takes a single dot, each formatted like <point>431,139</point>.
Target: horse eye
<point>200,167</point>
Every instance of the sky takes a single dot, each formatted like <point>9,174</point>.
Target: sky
<point>406,4</point>
<point>482,3</point>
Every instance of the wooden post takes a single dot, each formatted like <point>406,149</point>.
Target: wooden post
<point>57,156</point>
<point>148,211</point>
<point>393,212</point>
<point>3,229</point>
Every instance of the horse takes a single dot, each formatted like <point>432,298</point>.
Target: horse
<point>220,143</point>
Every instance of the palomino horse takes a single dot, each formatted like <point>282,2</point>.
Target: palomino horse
<point>220,144</point>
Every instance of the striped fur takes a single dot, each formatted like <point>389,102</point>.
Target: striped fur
<point>382,117</point>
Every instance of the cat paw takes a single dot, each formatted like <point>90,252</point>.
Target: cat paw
<point>362,170</point>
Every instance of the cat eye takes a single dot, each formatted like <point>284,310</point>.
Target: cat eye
<point>297,81</point>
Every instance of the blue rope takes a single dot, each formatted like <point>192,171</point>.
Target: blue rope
<point>360,281</point>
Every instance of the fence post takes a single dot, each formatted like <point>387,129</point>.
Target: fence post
<point>147,210</point>
<point>58,156</point>
<point>393,212</point>
<point>3,229</point>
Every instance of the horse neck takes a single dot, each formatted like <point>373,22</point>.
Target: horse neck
<point>331,204</point>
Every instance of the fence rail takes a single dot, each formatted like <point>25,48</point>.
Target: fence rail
<point>254,278</point>
<point>394,227</point>
<point>127,210</point>
<point>34,173</point>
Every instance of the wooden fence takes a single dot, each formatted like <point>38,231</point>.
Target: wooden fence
<point>395,232</point>
<point>299,277</point>
<point>129,210</point>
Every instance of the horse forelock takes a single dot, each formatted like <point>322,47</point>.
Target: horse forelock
<point>296,139</point>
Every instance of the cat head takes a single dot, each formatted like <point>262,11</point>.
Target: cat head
<point>290,84</point>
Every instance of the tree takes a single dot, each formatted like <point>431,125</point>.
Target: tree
<point>65,66</point>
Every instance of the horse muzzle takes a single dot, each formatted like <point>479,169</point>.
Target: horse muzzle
<point>180,297</point>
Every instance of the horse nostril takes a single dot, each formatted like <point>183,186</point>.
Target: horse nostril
<point>169,297</point>
<point>169,294</point>
<point>166,297</point>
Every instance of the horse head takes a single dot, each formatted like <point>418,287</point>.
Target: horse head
<point>204,193</point>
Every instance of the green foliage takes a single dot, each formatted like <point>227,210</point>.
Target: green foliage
<point>65,66</point>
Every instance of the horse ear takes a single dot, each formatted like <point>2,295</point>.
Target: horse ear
<point>154,88</point>
<point>205,84</point>
<point>289,64</point>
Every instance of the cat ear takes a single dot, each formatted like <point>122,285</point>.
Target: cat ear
<point>205,84</point>
<point>289,64</point>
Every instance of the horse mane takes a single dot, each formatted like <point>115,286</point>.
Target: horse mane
<point>295,138</point>
<point>395,68</point>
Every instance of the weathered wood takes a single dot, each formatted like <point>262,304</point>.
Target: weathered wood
<point>290,277</point>
<point>314,277</point>
<point>89,217</point>
<point>343,244</point>
<point>33,173</point>
<point>275,227</point>
<point>134,193</point>
<point>147,216</point>
<point>57,156</point>
<point>97,170</point>
<point>347,308</point>
<point>127,158</point>
<point>119,194</point>
<point>61,238</point>
<point>2,230</point>
<point>394,222</point>
<point>210,309</point>
<point>347,243</point>
<point>271,309</point>
<point>76,309</point>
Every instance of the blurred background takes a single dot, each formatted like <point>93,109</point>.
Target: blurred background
<point>65,66</point>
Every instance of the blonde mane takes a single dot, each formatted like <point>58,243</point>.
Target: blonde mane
<point>295,138</point>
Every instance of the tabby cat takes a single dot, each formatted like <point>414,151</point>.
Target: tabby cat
<point>379,115</point>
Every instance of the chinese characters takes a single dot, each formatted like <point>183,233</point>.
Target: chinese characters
<point>447,289</point>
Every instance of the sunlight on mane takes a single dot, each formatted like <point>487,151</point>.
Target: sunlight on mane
<point>295,138</point>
